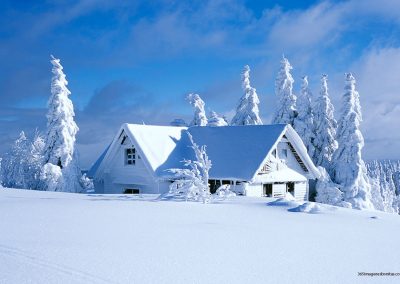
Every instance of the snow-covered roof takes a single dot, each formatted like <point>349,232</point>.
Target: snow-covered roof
<point>236,152</point>
<point>156,142</point>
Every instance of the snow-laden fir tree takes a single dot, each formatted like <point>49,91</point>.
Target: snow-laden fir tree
<point>304,122</point>
<point>15,169</point>
<point>200,118</point>
<point>247,112</point>
<point>192,182</point>
<point>215,120</point>
<point>384,176</point>
<point>286,106</point>
<point>61,133</point>
<point>348,167</point>
<point>379,188</point>
<point>35,162</point>
<point>325,125</point>
<point>21,167</point>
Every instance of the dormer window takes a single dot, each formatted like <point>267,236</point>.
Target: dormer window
<point>130,156</point>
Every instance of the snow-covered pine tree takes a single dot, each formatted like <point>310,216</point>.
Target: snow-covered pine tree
<point>304,122</point>
<point>61,132</point>
<point>286,108</point>
<point>15,167</point>
<point>247,112</point>
<point>215,120</point>
<point>200,118</point>
<point>192,182</point>
<point>35,162</point>
<point>325,126</point>
<point>377,189</point>
<point>348,167</point>
<point>21,167</point>
<point>383,184</point>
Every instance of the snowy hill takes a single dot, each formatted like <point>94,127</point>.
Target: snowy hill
<point>49,237</point>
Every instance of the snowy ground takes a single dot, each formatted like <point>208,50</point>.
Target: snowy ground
<point>51,237</point>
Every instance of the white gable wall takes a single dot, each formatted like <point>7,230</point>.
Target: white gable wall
<point>118,176</point>
<point>292,172</point>
<point>290,160</point>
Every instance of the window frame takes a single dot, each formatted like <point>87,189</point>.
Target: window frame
<point>130,156</point>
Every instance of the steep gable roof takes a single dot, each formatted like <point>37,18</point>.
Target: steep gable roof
<point>154,144</point>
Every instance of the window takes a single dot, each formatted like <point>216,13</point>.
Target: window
<point>284,153</point>
<point>290,187</point>
<point>267,189</point>
<point>130,156</point>
<point>131,191</point>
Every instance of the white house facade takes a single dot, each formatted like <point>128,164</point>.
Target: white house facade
<point>256,160</point>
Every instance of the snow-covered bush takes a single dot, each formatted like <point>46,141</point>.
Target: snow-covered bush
<point>286,107</point>
<point>327,191</point>
<point>200,118</point>
<point>224,191</point>
<point>52,176</point>
<point>247,112</point>
<point>215,120</point>
<point>192,182</point>
<point>87,183</point>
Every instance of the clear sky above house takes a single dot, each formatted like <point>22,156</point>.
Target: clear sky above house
<point>132,61</point>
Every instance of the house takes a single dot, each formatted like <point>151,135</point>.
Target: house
<point>256,160</point>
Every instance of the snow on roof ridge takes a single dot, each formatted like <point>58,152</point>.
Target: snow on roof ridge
<point>207,126</point>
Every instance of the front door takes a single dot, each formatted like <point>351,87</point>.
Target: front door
<point>267,189</point>
<point>290,188</point>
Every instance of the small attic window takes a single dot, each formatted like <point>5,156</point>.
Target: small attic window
<point>130,156</point>
<point>284,153</point>
<point>274,153</point>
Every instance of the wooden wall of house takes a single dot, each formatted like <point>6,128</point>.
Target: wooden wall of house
<point>301,191</point>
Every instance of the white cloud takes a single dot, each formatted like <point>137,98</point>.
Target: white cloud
<point>377,74</point>
<point>318,25</point>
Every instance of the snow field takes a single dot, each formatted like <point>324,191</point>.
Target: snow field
<point>52,237</point>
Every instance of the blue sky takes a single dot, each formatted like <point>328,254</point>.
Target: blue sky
<point>131,61</point>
